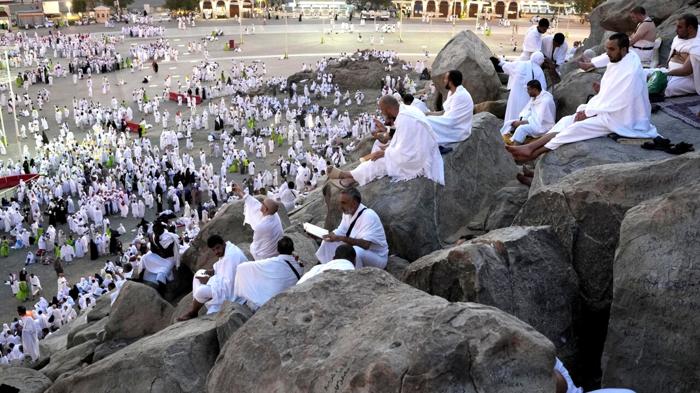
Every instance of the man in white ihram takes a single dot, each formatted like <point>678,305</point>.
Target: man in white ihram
<point>213,287</point>
<point>361,228</point>
<point>536,119</point>
<point>30,334</point>
<point>622,107</point>
<point>454,124</point>
<point>259,281</point>
<point>163,257</point>
<point>266,224</point>
<point>344,259</point>
<point>533,39</point>
<point>519,74</point>
<point>412,151</point>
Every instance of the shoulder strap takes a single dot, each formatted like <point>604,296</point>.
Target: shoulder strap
<point>352,224</point>
<point>293,269</point>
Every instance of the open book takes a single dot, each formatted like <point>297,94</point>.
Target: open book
<point>314,230</point>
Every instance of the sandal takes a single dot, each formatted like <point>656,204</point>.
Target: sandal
<point>680,148</point>
<point>658,143</point>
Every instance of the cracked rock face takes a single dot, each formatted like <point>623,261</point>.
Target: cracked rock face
<point>364,331</point>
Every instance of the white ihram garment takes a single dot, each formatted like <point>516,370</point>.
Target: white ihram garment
<point>540,113</point>
<point>412,152</point>
<point>219,288</point>
<point>622,107</point>
<point>367,227</point>
<point>455,125</point>
<point>519,74</point>
<point>267,230</point>
<point>258,281</point>
<point>336,264</point>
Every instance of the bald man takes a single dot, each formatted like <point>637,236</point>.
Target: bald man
<point>266,224</point>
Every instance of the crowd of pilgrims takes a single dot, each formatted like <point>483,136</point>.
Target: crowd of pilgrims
<point>65,213</point>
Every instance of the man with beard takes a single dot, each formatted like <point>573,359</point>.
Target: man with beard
<point>622,107</point>
<point>454,124</point>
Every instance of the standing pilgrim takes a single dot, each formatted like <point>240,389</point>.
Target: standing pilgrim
<point>533,39</point>
<point>520,73</point>
<point>30,333</point>
<point>266,224</point>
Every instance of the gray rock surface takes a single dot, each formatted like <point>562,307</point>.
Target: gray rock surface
<point>396,266</point>
<point>109,347</point>
<point>653,342</point>
<point>555,165</point>
<point>174,360</point>
<point>138,311</point>
<point>586,208</point>
<point>70,360</point>
<point>496,108</point>
<point>229,319</point>
<point>500,210</point>
<point>24,379</point>
<point>90,331</point>
<point>227,223</point>
<point>473,172</point>
<point>364,331</point>
<point>574,90</point>
<point>523,271</point>
<point>467,53</point>
<point>101,309</point>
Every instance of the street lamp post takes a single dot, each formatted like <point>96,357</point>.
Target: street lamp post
<point>240,19</point>
<point>286,36</point>
<point>400,23</point>
<point>14,107</point>
<point>453,17</point>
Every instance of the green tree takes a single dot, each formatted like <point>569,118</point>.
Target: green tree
<point>189,5</point>
<point>78,6</point>
<point>581,6</point>
<point>122,3</point>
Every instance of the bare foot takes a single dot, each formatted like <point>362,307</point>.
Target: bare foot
<point>521,153</point>
<point>186,317</point>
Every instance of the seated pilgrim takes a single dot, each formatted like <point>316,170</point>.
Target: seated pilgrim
<point>519,74</point>
<point>411,152</point>
<point>360,228</point>
<point>622,107</point>
<point>344,259</point>
<point>266,224</point>
<point>536,119</point>
<point>259,281</point>
<point>454,123</point>
<point>213,287</point>
<point>163,257</point>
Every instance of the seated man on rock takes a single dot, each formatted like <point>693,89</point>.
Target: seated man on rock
<point>684,65</point>
<point>213,287</point>
<point>360,228</point>
<point>536,119</point>
<point>344,259</point>
<point>163,257</point>
<point>258,281</point>
<point>519,74</point>
<point>622,107</point>
<point>266,224</point>
<point>454,123</point>
<point>412,151</point>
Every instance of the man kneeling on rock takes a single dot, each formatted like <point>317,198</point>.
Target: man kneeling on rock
<point>213,287</point>
<point>360,228</point>
<point>259,281</point>
<point>622,107</point>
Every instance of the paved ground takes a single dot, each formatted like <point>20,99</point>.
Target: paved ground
<point>268,43</point>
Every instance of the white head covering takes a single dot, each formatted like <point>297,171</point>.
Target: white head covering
<point>537,58</point>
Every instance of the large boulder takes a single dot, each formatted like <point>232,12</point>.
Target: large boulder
<point>364,331</point>
<point>229,319</point>
<point>574,89</point>
<point>586,209</point>
<point>500,210</point>
<point>313,210</point>
<point>24,379</point>
<point>653,342</point>
<point>101,308</point>
<point>227,223</point>
<point>70,360</point>
<point>174,360</point>
<point>473,172</point>
<point>304,246</point>
<point>467,53</point>
<point>82,333</point>
<point>57,341</point>
<point>523,271</point>
<point>555,165</point>
<point>496,108</point>
<point>138,311</point>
